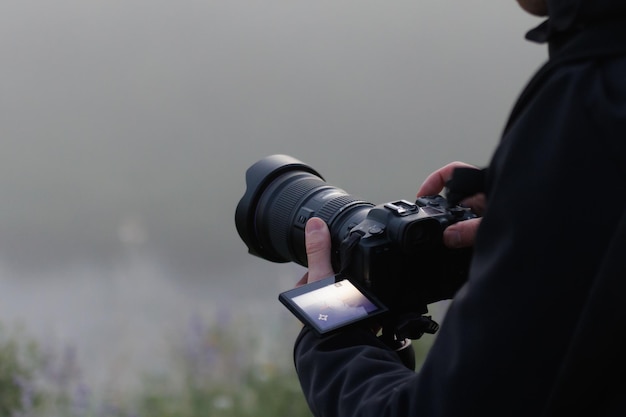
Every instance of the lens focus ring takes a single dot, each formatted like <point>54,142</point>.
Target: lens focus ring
<point>337,205</point>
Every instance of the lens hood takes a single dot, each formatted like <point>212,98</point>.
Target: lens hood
<point>258,177</point>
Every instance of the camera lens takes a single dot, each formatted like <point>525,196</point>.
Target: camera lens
<point>282,194</point>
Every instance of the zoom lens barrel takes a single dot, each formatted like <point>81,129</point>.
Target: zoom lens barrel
<point>282,194</point>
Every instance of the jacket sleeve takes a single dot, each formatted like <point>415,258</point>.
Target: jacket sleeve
<point>353,374</point>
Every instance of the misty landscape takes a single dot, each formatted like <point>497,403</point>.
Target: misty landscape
<point>127,127</point>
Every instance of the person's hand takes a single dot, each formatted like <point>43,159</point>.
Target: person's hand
<point>461,234</point>
<point>318,246</point>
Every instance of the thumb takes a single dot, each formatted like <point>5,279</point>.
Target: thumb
<point>318,247</point>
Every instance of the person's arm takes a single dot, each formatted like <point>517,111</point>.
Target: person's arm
<point>354,374</point>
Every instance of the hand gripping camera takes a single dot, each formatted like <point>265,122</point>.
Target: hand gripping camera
<point>390,258</point>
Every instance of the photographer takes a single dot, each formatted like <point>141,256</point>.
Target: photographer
<point>538,328</point>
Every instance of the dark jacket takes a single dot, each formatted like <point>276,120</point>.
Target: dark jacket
<point>534,329</point>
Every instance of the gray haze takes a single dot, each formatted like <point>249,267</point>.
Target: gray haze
<point>127,126</point>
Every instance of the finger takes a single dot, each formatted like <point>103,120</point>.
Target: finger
<point>477,203</point>
<point>436,181</point>
<point>318,247</point>
<point>461,234</point>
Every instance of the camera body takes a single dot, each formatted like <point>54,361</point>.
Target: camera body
<point>397,252</point>
<point>393,250</point>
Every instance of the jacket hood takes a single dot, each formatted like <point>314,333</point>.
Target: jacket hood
<point>567,16</point>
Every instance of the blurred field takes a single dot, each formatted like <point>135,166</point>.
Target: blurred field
<point>217,372</point>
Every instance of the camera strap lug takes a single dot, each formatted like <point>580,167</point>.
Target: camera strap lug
<point>347,245</point>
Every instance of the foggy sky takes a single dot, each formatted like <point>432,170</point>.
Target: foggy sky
<point>149,112</point>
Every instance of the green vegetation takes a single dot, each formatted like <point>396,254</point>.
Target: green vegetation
<point>217,373</point>
<point>17,361</point>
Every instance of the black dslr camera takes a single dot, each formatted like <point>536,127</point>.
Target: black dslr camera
<point>390,255</point>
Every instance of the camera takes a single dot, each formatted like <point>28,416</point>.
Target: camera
<point>393,251</point>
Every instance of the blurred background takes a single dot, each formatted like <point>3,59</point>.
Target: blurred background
<point>127,126</point>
